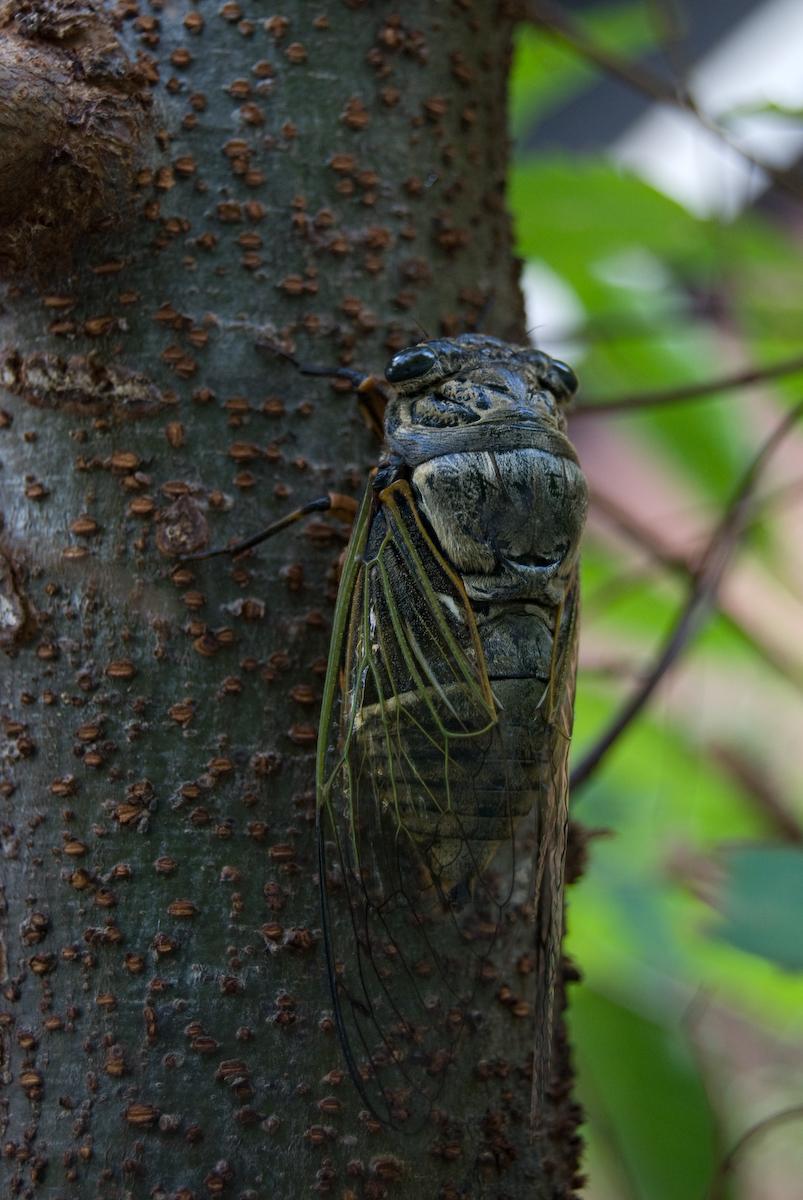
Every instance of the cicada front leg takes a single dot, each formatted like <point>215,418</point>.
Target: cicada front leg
<point>372,391</point>
<point>338,505</point>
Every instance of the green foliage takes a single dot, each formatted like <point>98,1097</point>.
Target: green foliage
<point>585,219</point>
<point>762,901</point>
<point>651,1095</point>
<point>545,74</point>
<point>689,904</point>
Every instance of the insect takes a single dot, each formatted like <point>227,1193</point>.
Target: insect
<point>446,719</point>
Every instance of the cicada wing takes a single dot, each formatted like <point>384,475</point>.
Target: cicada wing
<point>411,717</point>
<point>550,849</point>
<point>441,826</point>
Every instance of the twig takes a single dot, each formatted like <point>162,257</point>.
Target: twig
<point>690,391</point>
<point>659,553</point>
<point>553,20</point>
<point>717,1189</point>
<point>764,794</point>
<point>670,26</point>
<point>701,596</point>
<point>779,497</point>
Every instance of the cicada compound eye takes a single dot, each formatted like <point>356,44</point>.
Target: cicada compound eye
<point>566,375</point>
<point>411,363</point>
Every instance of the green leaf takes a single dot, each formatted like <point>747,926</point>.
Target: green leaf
<point>643,1097</point>
<point>546,73</point>
<point>576,214</point>
<point>762,903</point>
<point>633,925</point>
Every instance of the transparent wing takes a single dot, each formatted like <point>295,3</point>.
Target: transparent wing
<point>550,847</point>
<point>436,818</point>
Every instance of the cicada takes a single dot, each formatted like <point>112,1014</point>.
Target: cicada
<point>446,719</point>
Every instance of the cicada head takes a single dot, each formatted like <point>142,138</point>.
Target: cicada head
<point>473,379</point>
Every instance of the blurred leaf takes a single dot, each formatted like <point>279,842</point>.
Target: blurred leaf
<point>631,925</point>
<point>762,901</point>
<point>574,214</point>
<point>642,1092</point>
<point>643,601</point>
<point>646,269</point>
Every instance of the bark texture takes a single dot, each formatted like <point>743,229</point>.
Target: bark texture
<point>74,125</point>
<point>330,180</point>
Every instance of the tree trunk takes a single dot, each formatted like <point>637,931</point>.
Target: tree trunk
<point>329,181</point>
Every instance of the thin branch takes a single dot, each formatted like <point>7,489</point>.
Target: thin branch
<point>690,391</point>
<point>659,553</point>
<point>717,1189</point>
<point>779,497</point>
<point>554,21</point>
<point>698,603</point>
<point>671,27</point>
<point>764,794</point>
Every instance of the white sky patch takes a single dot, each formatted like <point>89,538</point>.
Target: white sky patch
<point>761,61</point>
<point>553,311</point>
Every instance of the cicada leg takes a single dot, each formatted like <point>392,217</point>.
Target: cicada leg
<point>372,397</point>
<point>344,507</point>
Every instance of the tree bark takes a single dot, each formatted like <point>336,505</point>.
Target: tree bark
<point>74,115</point>
<point>330,181</point>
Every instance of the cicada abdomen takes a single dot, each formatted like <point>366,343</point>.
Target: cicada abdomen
<point>442,783</point>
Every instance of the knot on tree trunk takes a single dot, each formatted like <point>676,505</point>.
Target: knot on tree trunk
<point>74,114</point>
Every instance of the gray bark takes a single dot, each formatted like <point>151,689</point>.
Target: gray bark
<point>330,180</point>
